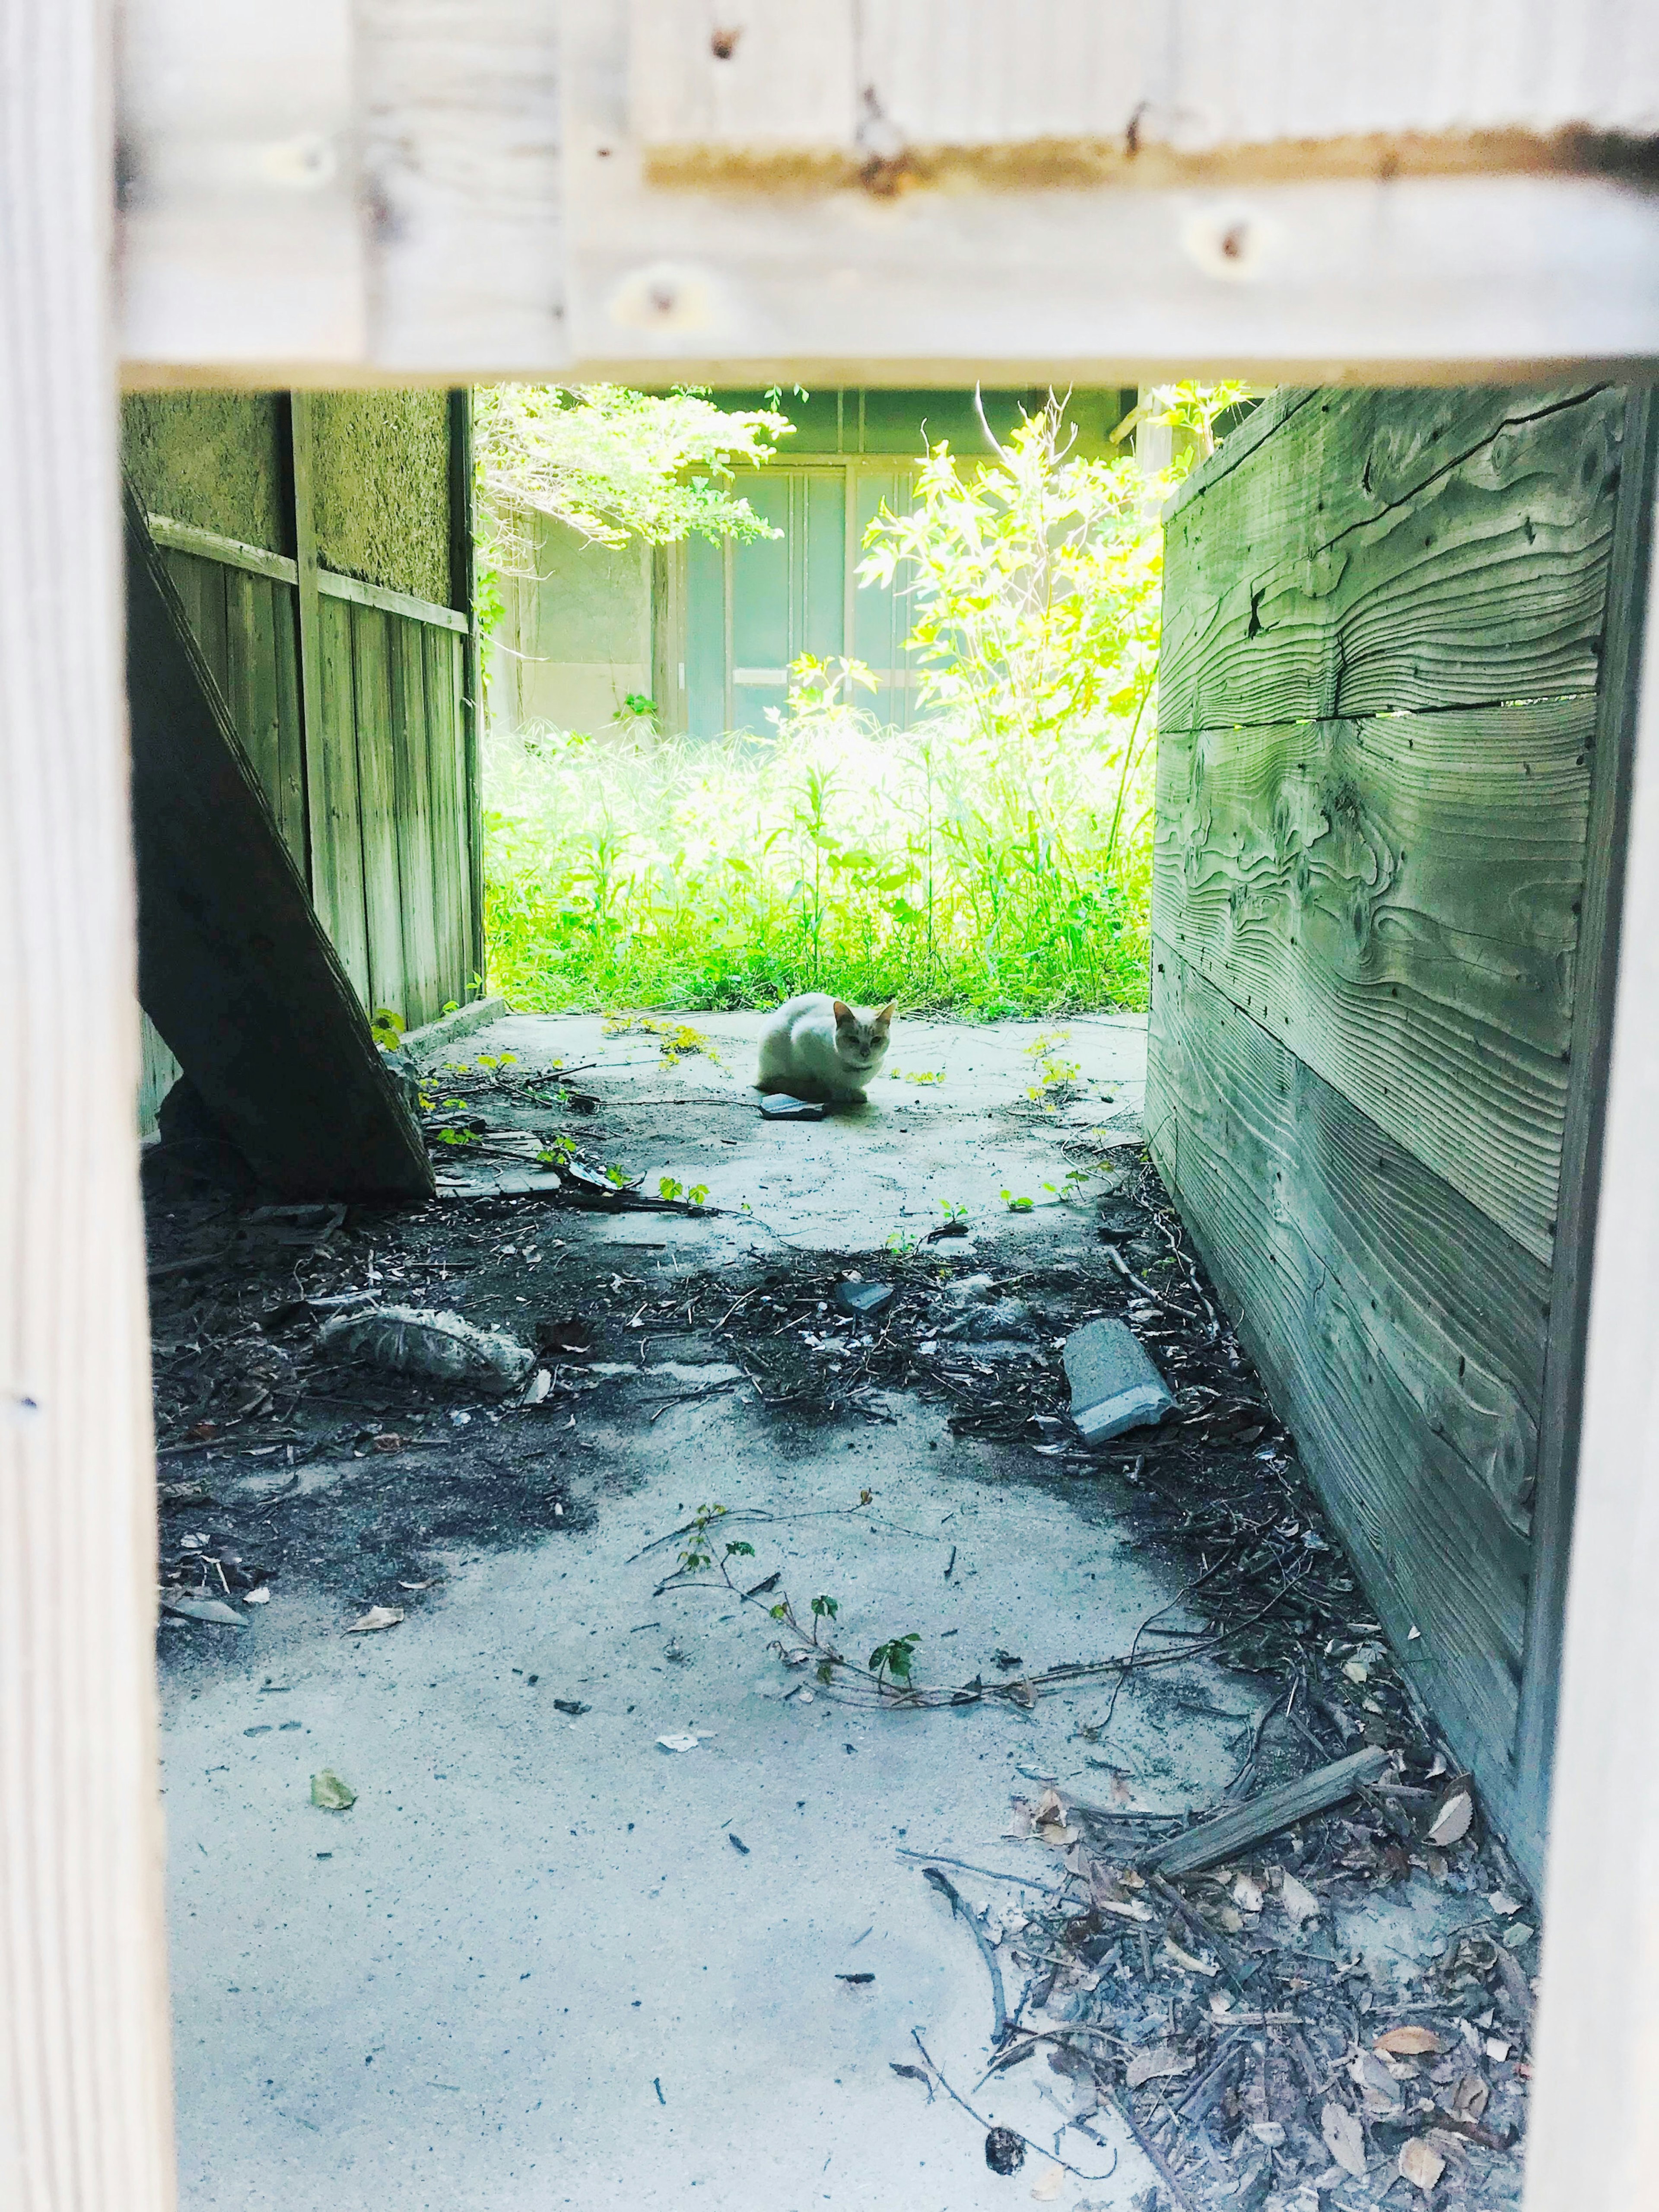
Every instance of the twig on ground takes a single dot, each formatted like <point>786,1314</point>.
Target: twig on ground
<point>947,1888</point>
<point>979,2121</point>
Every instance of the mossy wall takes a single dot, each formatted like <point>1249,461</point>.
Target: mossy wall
<point>380,488</point>
<point>213,459</point>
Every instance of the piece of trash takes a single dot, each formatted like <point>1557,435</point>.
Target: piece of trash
<point>260,1596</point>
<point>459,1420</point>
<point>440,1345</point>
<point>1298,1900</point>
<point>330,1795</point>
<point>779,1106</point>
<point>571,1706</point>
<point>1518,1937</point>
<point>858,1981</point>
<point>1409,2043</point>
<point>1504,1905</point>
<point>803,1696</point>
<point>1114,1385</point>
<point>537,1388</point>
<point>863,1299</point>
<point>377,1617</point>
<point>1421,2164</point>
<point>1452,1815</point>
<point>203,1609</point>
<point>678,1742</point>
<point>1344,2138</point>
<point>738,1843</point>
<point>1005,2151</point>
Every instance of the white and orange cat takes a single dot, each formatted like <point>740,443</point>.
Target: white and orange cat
<point>819,1048</point>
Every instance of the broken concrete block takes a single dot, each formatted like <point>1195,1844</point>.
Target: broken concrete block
<point>439,1346</point>
<point>779,1106</point>
<point>1114,1385</point>
<point>865,1299</point>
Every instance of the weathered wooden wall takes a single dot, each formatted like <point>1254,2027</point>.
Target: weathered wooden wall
<point>374,787</point>
<point>1385,737</point>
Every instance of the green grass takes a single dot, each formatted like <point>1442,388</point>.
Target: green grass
<point>949,872</point>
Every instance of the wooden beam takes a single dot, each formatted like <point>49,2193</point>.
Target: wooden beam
<point>464,595</point>
<point>235,970</point>
<point>1593,2137</point>
<point>85,2071</point>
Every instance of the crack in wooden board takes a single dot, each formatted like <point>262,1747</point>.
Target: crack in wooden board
<point>1401,1334</point>
<point>1397,900</point>
<point>1397,551</point>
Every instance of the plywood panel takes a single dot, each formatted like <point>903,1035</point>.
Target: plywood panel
<point>451,858</point>
<point>336,846</point>
<point>1397,899</point>
<point>1390,551</point>
<point>1400,1333</point>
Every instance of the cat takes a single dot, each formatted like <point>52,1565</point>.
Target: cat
<point>819,1048</point>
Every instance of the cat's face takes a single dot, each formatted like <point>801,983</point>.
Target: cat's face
<point>861,1040</point>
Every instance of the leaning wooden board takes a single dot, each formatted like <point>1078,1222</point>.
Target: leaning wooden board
<point>235,970</point>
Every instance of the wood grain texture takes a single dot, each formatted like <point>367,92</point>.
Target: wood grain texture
<point>377,800</point>
<point>85,2069</point>
<point>1397,900</point>
<point>1389,553</point>
<point>1596,970</point>
<point>1400,1333</point>
<point>1592,2136</point>
<point>234,968</point>
<point>336,834</point>
<point>450,816</point>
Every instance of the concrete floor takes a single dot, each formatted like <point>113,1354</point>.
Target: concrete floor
<point>531,1967</point>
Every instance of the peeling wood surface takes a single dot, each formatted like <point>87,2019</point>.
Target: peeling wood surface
<point>1397,901</point>
<point>1402,1334</point>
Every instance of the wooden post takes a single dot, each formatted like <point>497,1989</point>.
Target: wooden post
<point>301,458</point>
<point>464,598</point>
<point>85,2076</point>
<point>1595,2133</point>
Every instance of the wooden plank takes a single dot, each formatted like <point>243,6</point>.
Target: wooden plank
<point>336,825</point>
<point>1596,967</point>
<point>1237,1827</point>
<point>467,671</point>
<point>1400,1333</point>
<point>383,901</point>
<point>308,638</point>
<point>1397,900</point>
<point>241,240</point>
<point>451,844</point>
<point>210,545</point>
<point>291,789</point>
<point>250,687</point>
<point>1468,569</point>
<point>85,2064</point>
<point>411,759</point>
<point>388,601</point>
<point>234,968</point>
<point>1592,2136</point>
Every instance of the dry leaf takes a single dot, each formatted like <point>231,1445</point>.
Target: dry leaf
<point>1056,1838</point>
<point>1155,2065</point>
<point>1376,2086</point>
<point>1408,2043</point>
<point>1452,1815</point>
<point>1470,2102</point>
<point>1421,2164</point>
<point>1298,1900</point>
<point>330,1795</point>
<point>1020,1823</point>
<point>1344,2139</point>
<point>1046,2190</point>
<point>260,1596</point>
<point>1504,1905</point>
<point>377,1617</point>
<point>1231,1919</point>
<point>203,1609</point>
<point>1356,1670</point>
<point>1247,1893</point>
<point>1270,2132</point>
<point>1049,1808</point>
<point>1022,1694</point>
<point>1496,2049</point>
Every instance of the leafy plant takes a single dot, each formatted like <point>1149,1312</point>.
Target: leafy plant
<point>952,1210</point>
<point>1017,1205</point>
<point>893,1659</point>
<point>901,1243</point>
<point>387,1028</point>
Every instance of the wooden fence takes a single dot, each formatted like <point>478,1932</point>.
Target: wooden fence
<point>354,703</point>
<point>1394,750</point>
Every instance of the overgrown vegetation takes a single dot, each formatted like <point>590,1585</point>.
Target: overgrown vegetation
<point>993,859</point>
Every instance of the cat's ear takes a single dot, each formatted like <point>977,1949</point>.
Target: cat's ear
<point>886,1014</point>
<point>843,1013</point>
